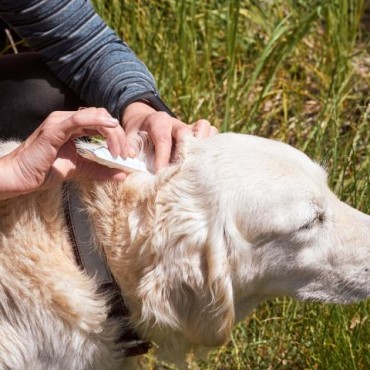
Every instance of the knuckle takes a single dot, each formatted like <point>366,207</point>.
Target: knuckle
<point>54,115</point>
<point>95,111</point>
<point>204,122</point>
<point>161,130</point>
<point>75,119</point>
<point>47,136</point>
<point>162,116</point>
<point>49,124</point>
<point>102,112</point>
<point>159,118</point>
<point>183,131</point>
<point>162,137</point>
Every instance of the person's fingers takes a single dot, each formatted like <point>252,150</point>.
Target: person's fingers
<point>161,133</point>
<point>201,128</point>
<point>115,136</point>
<point>164,130</point>
<point>89,118</point>
<point>116,140</point>
<point>89,114</point>
<point>163,145</point>
<point>180,131</point>
<point>58,130</point>
<point>60,126</point>
<point>130,136</point>
<point>213,131</point>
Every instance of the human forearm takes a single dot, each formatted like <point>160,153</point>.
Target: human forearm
<point>81,50</point>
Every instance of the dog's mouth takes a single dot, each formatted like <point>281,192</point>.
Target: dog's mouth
<point>336,291</point>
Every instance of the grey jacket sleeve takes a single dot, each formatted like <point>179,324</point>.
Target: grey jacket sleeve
<point>82,51</point>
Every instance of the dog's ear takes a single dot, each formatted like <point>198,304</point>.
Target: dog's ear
<point>213,315</point>
<point>143,146</point>
<point>188,287</point>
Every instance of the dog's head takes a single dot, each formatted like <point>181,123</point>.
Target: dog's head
<point>241,219</point>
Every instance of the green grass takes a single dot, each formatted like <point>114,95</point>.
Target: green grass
<point>293,70</point>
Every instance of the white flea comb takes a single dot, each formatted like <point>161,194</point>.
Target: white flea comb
<point>102,155</point>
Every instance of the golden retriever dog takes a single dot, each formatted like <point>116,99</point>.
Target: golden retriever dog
<point>235,220</point>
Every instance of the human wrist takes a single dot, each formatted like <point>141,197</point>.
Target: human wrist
<point>135,113</point>
<point>152,99</point>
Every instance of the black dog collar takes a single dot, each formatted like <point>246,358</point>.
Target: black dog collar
<point>94,263</point>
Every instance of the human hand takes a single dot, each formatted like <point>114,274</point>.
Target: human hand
<point>49,155</point>
<point>162,128</point>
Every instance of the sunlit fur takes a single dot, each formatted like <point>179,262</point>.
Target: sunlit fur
<point>233,221</point>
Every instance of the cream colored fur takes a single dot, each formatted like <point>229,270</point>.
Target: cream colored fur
<point>235,220</point>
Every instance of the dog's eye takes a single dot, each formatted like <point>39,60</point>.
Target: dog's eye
<point>318,219</point>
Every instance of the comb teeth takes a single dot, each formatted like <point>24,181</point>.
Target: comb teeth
<point>103,156</point>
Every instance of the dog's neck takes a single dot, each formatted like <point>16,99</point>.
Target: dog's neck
<point>124,219</point>
<point>122,216</point>
<point>127,221</point>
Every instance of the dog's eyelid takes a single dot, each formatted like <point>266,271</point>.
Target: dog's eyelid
<point>319,218</point>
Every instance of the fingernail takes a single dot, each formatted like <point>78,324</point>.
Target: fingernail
<point>115,153</point>
<point>131,153</point>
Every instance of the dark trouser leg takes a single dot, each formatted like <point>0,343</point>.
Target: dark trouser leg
<point>29,92</point>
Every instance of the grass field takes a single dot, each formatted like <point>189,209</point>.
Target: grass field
<point>293,70</point>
